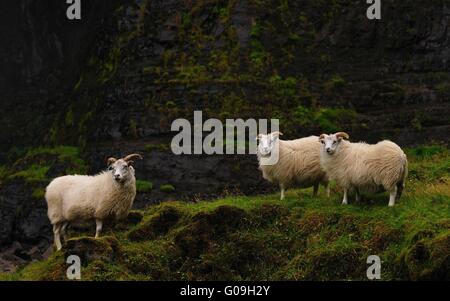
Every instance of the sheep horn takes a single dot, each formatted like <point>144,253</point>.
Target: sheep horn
<point>342,135</point>
<point>132,156</point>
<point>277,133</point>
<point>111,160</point>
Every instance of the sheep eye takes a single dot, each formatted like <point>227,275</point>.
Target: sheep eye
<point>334,142</point>
<point>110,168</point>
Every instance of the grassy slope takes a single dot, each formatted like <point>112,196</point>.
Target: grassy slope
<point>262,238</point>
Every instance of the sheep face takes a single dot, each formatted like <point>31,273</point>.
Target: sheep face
<point>331,142</point>
<point>267,143</point>
<point>121,171</point>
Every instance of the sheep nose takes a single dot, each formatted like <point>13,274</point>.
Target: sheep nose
<point>328,150</point>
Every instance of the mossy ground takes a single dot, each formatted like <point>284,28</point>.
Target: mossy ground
<point>263,238</point>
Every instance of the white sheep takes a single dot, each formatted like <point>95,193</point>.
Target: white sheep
<point>109,194</point>
<point>298,162</point>
<point>364,167</point>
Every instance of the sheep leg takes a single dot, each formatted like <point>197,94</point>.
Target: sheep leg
<point>392,196</point>
<point>345,200</point>
<point>56,235</point>
<point>316,189</point>
<point>63,231</point>
<point>282,192</point>
<point>358,196</point>
<point>99,226</point>
<point>328,189</point>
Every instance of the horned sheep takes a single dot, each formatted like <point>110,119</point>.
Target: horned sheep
<point>74,198</point>
<point>364,167</point>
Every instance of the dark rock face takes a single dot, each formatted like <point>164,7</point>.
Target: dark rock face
<point>41,55</point>
<point>25,230</point>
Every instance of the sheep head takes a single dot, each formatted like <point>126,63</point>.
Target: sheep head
<point>267,142</point>
<point>331,142</point>
<point>121,169</point>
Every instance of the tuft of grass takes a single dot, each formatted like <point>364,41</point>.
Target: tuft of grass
<point>38,193</point>
<point>144,186</point>
<point>336,82</point>
<point>428,163</point>
<point>34,173</point>
<point>426,151</point>
<point>66,154</point>
<point>4,173</point>
<point>167,188</point>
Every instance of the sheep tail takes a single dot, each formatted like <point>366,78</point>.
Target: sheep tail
<point>401,184</point>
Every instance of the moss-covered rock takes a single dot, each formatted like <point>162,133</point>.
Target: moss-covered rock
<point>159,224</point>
<point>267,214</point>
<point>90,249</point>
<point>332,263</point>
<point>313,222</point>
<point>428,259</point>
<point>207,227</point>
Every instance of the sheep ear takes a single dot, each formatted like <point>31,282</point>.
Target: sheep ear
<point>321,137</point>
<point>111,161</point>
<point>258,137</point>
<point>342,135</point>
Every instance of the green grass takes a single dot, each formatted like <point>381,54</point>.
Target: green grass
<point>38,193</point>
<point>33,167</point>
<point>428,163</point>
<point>263,238</point>
<point>34,173</point>
<point>68,155</point>
<point>167,188</point>
<point>144,186</point>
<point>4,173</point>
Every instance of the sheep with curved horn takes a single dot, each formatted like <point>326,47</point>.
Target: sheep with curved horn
<point>79,197</point>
